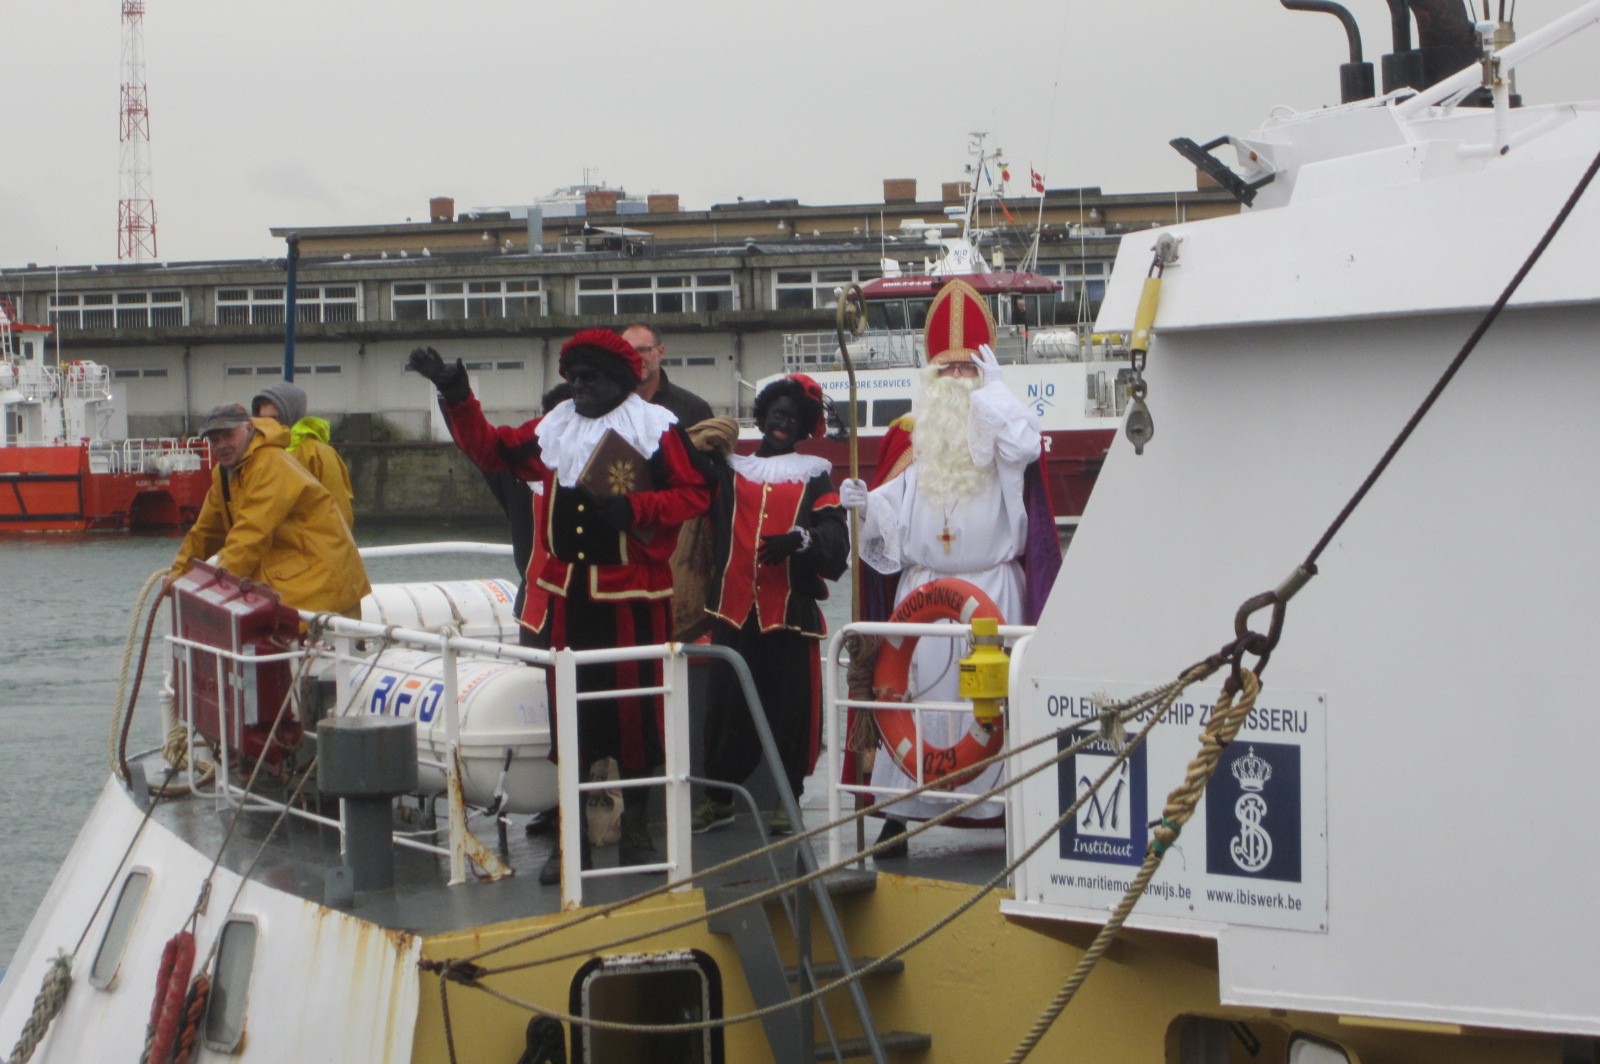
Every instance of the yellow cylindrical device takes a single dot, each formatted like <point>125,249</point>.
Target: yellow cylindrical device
<point>1145,316</point>
<point>984,671</point>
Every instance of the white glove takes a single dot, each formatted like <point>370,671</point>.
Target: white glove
<point>987,364</point>
<point>853,494</point>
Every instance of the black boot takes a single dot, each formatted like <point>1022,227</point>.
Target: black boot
<point>635,846</point>
<point>892,829</point>
<point>550,871</point>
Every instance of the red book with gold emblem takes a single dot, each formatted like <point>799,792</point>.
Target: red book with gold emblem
<point>614,468</point>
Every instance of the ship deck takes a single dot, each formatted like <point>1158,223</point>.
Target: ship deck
<point>422,902</point>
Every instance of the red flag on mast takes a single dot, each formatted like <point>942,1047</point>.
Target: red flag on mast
<point>1038,181</point>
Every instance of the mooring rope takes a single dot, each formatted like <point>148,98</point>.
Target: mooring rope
<point>1156,700</point>
<point>51,997</point>
<point>119,706</point>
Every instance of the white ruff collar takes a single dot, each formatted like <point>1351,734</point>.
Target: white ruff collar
<point>567,438</point>
<point>791,468</point>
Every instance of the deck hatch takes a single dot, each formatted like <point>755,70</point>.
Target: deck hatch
<point>679,986</point>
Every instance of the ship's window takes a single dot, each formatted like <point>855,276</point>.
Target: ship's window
<point>508,365</point>
<point>230,985</point>
<point>478,367</point>
<point>682,986</point>
<point>701,360</point>
<point>131,374</point>
<point>109,956</point>
<point>885,411</point>
<point>155,373</point>
<point>330,368</point>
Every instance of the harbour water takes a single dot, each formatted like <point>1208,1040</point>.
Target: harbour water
<point>67,605</point>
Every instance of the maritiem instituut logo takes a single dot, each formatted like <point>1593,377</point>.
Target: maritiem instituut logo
<point>1253,813</point>
<point>1112,825</point>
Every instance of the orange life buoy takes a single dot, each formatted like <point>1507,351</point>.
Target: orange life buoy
<point>946,599</point>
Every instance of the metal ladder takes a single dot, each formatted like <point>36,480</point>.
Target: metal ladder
<point>791,1032</point>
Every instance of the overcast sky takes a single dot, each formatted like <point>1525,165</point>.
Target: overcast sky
<point>300,113</point>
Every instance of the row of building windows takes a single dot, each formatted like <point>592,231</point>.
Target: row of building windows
<point>329,368</point>
<point>264,306</point>
<point>456,300</point>
<point>611,296</point>
<point>277,371</point>
<point>118,310</point>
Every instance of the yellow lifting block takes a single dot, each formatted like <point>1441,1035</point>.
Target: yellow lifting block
<point>984,672</point>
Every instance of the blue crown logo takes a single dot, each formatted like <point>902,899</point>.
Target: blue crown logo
<point>1252,772</point>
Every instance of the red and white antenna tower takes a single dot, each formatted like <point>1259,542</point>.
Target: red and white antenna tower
<point>136,211</point>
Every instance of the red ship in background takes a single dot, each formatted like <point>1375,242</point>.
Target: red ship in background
<point>63,465</point>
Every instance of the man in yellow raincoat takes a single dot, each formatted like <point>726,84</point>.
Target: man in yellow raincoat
<point>308,440</point>
<point>269,520</point>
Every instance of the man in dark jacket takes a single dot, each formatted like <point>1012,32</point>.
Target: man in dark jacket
<point>654,386</point>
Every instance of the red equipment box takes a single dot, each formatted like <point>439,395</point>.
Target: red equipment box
<point>227,700</point>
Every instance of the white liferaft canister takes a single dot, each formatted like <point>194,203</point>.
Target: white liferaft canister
<point>478,609</point>
<point>503,707</point>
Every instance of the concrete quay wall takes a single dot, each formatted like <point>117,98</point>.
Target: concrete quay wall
<point>419,482</point>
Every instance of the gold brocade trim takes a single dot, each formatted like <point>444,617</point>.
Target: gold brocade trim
<point>959,294</point>
<point>621,596</point>
<point>556,589</point>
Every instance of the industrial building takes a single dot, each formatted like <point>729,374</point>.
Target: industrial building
<point>501,288</point>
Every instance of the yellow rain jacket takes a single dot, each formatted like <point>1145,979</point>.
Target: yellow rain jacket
<point>269,520</point>
<point>308,441</point>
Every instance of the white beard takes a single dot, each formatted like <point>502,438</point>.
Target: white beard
<point>945,471</point>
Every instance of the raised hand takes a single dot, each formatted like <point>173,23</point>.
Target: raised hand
<point>987,364</point>
<point>450,380</point>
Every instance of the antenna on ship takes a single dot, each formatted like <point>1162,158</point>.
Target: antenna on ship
<point>136,211</point>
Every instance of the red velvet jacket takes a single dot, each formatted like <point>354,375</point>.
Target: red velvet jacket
<point>617,565</point>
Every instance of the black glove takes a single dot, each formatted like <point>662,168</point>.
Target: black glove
<point>776,548</point>
<point>615,510</point>
<point>450,380</point>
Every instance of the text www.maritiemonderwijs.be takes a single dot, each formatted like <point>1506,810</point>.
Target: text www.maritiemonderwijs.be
<point>1179,891</point>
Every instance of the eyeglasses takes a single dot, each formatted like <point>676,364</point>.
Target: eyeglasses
<point>646,349</point>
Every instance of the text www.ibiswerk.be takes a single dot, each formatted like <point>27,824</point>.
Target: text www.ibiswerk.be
<point>1178,891</point>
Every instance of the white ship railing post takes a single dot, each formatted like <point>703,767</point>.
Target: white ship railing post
<point>1016,809</point>
<point>570,820</point>
<point>830,720</point>
<point>452,761</point>
<point>680,849</point>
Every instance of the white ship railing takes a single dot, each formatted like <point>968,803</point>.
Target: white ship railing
<point>342,644</point>
<point>836,699</point>
<point>818,352</point>
<point>159,456</point>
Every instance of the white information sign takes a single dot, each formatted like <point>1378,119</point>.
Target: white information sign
<point>1255,851</point>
